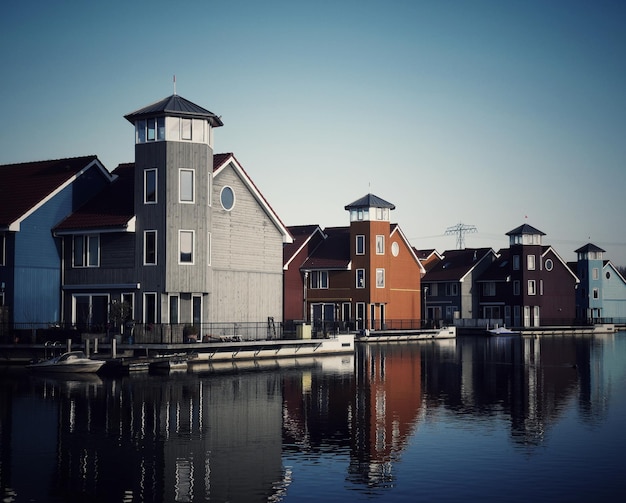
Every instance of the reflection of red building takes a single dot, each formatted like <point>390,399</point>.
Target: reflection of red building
<point>389,402</point>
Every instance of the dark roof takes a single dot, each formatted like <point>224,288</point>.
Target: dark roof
<point>176,106</point>
<point>113,207</point>
<point>333,252</point>
<point>589,247</point>
<point>370,201</point>
<point>455,264</point>
<point>300,234</point>
<point>500,269</point>
<point>525,229</point>
<point>23,186</point>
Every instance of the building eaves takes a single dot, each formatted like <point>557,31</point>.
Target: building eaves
<point>175,106</point>
<point>26,186</point>
<point>370,201</point>
<point>333,253</point>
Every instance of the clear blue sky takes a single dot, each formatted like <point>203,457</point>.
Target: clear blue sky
<point>490,113</point>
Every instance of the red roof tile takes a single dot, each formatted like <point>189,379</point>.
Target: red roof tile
<point>23,186</point>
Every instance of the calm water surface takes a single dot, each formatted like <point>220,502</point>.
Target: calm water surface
<point>476,419</point>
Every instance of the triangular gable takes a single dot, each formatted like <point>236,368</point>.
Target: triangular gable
<point>299,243</point>
<point>229,159</point>
<point>57,185</point>
<point>396,229</point>
<point>609,265</point>
<point>484,257</point>
<point>548,249</point>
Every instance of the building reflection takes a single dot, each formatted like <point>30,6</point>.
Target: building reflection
<point>222,433</point>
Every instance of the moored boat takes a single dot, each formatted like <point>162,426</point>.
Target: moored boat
<point>502,331</point>
<point>70,362</point>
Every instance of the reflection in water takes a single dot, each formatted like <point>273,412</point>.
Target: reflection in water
<point>222,432</point>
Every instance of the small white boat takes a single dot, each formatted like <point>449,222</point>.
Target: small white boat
<point>503,331</point>
<point>73,361</point>
<point>407,335</point>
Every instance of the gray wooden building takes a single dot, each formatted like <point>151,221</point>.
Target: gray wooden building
<point>180,237</point>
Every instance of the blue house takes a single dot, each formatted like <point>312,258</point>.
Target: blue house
<point>34,197</point>
<point>602,291</point>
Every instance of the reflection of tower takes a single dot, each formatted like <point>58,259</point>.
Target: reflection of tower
<point>388,404</point>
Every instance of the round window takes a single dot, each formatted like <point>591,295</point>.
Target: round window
<point>608,274</point>
<point>395,249</point>
<point>227,198</point>
<point>549,264</point>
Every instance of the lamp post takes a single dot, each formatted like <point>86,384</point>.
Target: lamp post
<point>425,306</point>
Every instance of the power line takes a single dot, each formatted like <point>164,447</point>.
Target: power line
<point>460,230</point>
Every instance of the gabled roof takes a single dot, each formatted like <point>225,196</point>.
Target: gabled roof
<point>500,269</point>
<point>25,187</point>
<point>369,201</point>
<point>175,106</point>
<point>456,264</point>
<point>112,209</point>
<point>222,161</point>
<point>302,235</point>
<point>332,253</point>
<point>525,229</point>
<point>589,247</point>
<point>395,229</point>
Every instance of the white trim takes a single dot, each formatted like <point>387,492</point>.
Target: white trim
<point>15,225</point>
<point>193,246</point>
<point>231,161</point>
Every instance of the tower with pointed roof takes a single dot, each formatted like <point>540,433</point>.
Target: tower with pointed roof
<point>372,251</point>
<point>589,270</point>
<point>173,185</point>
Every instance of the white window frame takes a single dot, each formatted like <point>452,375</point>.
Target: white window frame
<point>360,278</point>
<point>532,287</point>
<point>209,244</point>
<point>147,295</point>
<point>170,298</point>
<point>86,254</point>
<point>380,277</point>
<point>145,246</point>
<point>530,262</point>
<point>360,244</point>
<point>380,244</point>
<point>181,183</point>
<point>595,274</point>
<point>318,280</point>
<point>192,233</point>
<point>146,172</point>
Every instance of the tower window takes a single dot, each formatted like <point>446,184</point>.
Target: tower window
<point>150,186</point>
<point>360,244</point>
<point>186,247</point>
<point>360,278</point>
<point>186,189</point>
<point>149,248</point>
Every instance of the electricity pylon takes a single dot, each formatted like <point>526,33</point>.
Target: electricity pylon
<point>460,230</point>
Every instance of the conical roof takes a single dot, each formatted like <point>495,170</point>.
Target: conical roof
<point>176,106</point>
<point>370,201</point>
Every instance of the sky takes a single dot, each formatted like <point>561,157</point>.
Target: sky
<point>485,113</point>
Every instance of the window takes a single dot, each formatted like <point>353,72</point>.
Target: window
<point>196,310</point>
<point>185,246</point>
<point>531,287</point>
<point>174,309</point>
<point>86,251</point>
<point>595,273</point>
<point>489,289</point>
<point>360,244</point>
<point>516,262</point>
<point>380,244</point>
<point>549,264</point>
<point>185,129</point>
<point>452,289</point>
<point>150,186</point>
<point>186,190</point>
<point>149,247</point>
<point>319,279</point>
<point>150,307</point>
<point>596,293</point>
<point>530,262</point>
<point>516,287</point>
<point>380,278</point>
<point>208,254</point>
<point>360,278</point>
<point>227,198</point>
<point>152,129</point>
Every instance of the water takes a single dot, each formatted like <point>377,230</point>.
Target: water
<point>476,419</point>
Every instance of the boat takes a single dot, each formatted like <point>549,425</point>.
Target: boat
<point>502,331</point>
<point>407,335</point>
<point>70,362</point>
<point>167,363</point>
